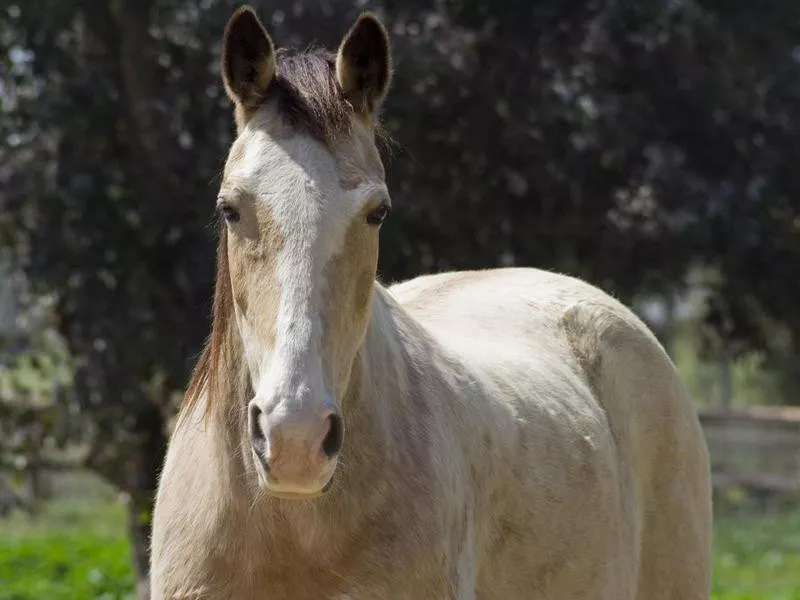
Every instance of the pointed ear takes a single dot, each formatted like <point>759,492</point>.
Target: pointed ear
<point>364,64</point>
<point>248,58</point>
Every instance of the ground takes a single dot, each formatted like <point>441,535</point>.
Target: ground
<point>757,558</point>
<point>74,551</point>
<point>78,550</point>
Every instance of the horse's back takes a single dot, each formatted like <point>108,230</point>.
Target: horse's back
<point>513,306</point>
<point>615,435</point>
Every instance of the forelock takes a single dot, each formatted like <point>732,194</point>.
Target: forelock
<point>308,94</point>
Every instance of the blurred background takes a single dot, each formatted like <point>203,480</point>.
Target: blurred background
<point>648,146</point>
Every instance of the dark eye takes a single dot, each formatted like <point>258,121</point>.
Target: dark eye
<point>229,213</point>
<point>377,216</point>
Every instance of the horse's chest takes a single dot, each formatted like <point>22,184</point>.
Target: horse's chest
<point>338,582</point>
<point>380,565</point>
<point>297,584</point>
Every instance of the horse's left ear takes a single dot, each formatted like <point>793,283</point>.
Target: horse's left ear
<point>364,64</point>
<point>248,58</point>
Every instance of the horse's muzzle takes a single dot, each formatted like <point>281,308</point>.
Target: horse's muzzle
<point>295,451</point>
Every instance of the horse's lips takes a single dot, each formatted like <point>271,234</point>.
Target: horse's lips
<point>300,496</point>
<point>272,488</point>
<point>294,496</point>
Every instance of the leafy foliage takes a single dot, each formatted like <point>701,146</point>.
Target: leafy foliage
<point>35,379</point>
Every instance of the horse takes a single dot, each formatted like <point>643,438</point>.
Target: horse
<point>496,434</point>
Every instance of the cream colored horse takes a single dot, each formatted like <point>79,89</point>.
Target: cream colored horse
<point>497,435</point>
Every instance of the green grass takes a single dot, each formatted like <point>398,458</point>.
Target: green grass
<point>757,558</point>
<point>78,551</point>
<point>74,551</point>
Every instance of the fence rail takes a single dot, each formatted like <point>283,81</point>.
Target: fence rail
<point>757,449</point>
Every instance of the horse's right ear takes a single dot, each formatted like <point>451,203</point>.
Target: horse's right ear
<point>364,64</point>
<point>248,59</point>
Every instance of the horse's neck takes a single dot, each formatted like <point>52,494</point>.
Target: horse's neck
<point>374,396</point>
<point>385,375</point>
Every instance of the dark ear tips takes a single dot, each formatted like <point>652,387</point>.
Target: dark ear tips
<point>248,58</point>
<point>363,63</point>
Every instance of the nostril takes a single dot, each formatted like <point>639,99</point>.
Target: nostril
<point>333,440</point>
<point>257,437</point>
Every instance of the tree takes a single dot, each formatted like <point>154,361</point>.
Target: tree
<point>34,376</point>
<point>624,142</point>
<point>102,191</point>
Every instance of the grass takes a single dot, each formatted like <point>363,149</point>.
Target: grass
<point>74,551</point>
<point>757,558</point>
<point>78,551</point>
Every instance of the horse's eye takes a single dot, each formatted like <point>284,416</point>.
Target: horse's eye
<point>229,213</point>
<point>377,216</point>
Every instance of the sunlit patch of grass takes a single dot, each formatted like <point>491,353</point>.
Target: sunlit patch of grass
<point>757,558</point>
<point>72,551</point>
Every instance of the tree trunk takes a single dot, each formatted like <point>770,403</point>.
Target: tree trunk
<point>149,125</point>
<point>143,474</point>
<point>139,528</point>
<point>33,479</point>
<point>725,380</point>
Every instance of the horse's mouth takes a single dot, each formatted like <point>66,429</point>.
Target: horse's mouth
<point>295,495</point>
<point>273,489</point>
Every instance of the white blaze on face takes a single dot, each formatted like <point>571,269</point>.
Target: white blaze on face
<point>298,179</point>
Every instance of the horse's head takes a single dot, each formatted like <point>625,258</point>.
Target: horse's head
<point>303,197</point>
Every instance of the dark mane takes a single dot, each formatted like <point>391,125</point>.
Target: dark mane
<point>213,360</point>
<point>308,93</point>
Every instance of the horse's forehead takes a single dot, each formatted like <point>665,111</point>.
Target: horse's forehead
<point>312,192</point>
<point>260,159</point>
<point>269,143</point>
